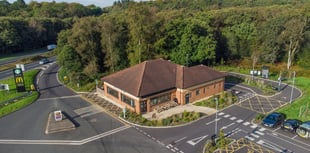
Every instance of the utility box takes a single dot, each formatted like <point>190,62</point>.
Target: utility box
<point>265,72</point>
<point>58,115</point>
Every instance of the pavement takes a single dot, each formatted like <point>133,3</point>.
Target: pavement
<point>179,109</point>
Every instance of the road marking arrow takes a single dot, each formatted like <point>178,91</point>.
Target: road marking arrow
<point>195,141</point>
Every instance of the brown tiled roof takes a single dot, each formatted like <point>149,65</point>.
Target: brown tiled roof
<point>155,76</point>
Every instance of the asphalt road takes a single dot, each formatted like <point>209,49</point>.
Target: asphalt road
<point>97,132</point>
<point>9,73</point>
<point>16,58</point>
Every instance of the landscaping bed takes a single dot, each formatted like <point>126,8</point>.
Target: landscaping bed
<point>173,120</point>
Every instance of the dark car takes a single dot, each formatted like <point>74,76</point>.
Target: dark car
<point>291,125</point>
<point>274,119</point>
<point>44,61</point>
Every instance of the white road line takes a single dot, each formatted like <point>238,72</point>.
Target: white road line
<point>213,121</point>
<point>195,141</point>
<point>262,129</point>
<point>233,118</point>
<point>249,138</point>
<point>276,136</point>
<point>294,137</point>
<point>181,152</point>
<point>175,148</point>
<point>239,121</point>
<point>221,113</point>
<point>253,126</point>
<point>276,129</point>
<point>246,123</point>
<point>63,97</point>
<point>64,142</point>
<point>260,133</point>
<point>225,127</point>
<point>268,145</point>
<point>227,115</point>
<point>254,135</point>
<point>172,150</point>
<point>179,140</point>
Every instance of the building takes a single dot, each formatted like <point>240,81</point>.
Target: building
<point>148,85</point>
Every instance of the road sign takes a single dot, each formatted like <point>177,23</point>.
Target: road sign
<point>19,80</point>
<point>58,115</point>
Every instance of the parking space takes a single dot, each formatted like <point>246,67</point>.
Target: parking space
<point>260,104</point>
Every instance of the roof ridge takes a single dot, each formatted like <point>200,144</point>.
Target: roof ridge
<point>142,77</point>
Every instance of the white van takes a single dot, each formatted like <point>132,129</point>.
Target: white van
<point>51,46</point>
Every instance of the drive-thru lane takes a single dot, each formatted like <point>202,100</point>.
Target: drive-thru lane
<point>96,132</point>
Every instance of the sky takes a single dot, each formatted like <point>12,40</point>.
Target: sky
<point>100,3</point>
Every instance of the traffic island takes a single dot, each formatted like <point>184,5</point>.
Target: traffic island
<point>65,124</point>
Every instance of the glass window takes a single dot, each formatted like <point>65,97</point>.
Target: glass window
<point>197,92</point>
<point>160,99</point>
<point>113,92</point>
<point>128,100</point>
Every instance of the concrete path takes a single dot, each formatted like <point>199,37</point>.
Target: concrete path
<point>178,110</point>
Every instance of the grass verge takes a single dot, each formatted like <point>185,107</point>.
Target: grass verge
<point>18,105</point>
<point>11,94</point>
<point>299,109</point>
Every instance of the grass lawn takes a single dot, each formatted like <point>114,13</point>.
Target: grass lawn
<point>7,95</point>
<point>19,104</point>
<point>299,109</point>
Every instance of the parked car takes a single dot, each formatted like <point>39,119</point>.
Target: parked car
<point>291,125</point>
<point>304,130</point>
<point>273,120</point>
<point>44,61</point>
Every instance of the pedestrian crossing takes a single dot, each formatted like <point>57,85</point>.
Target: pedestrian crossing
<point>256,133</point>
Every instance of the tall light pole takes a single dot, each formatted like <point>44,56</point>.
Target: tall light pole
<point>216,103</point>
<point>292,87</point>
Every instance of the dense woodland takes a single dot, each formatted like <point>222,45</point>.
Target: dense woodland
<point>187,32</point>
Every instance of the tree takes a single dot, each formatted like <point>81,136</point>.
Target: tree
<point>109,38</point>
<point>140,19</point>
<point>69,59</point>
<point>293,36</point>
<point>85,39</point>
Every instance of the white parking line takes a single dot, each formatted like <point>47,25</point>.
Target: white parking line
<point>276,129</point>
<point>294,137</point>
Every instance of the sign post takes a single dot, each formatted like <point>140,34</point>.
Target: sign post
<point>58,115</point>
<point>19,80</point>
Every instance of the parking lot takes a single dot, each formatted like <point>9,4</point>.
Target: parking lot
<point>259,104</point>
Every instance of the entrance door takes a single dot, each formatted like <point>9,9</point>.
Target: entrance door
<point>187,98</point>
<point>143,106</point>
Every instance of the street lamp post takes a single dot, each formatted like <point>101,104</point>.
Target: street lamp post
<point>216,104</point>
<point>292,87</point>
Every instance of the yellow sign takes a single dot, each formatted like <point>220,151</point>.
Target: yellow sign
<point>19,80</point>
